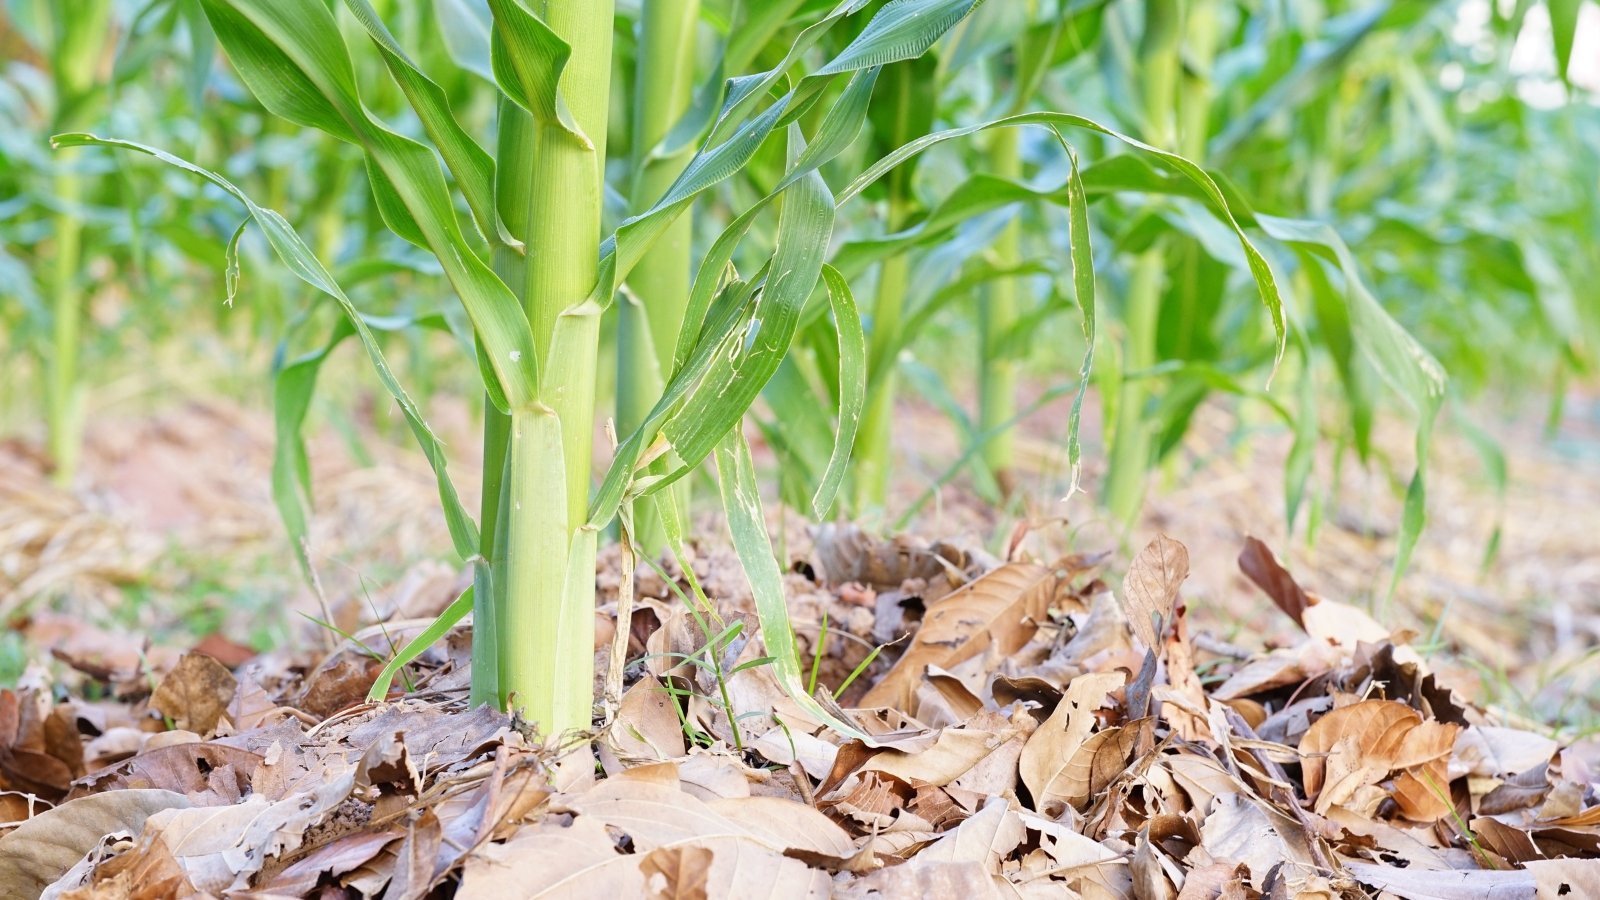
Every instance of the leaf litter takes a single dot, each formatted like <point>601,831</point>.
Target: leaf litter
<point>1038,733</point>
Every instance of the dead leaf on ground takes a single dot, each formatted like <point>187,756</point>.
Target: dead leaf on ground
<point>1261,566</point>
<point>195,694</point>
<point>1151,588</point>
<point>1001,610</point>
<point>41,850</point>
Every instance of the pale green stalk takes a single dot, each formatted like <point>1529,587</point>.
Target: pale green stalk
<point>79,36</point>
<point>550,191</point>
<point>64,395</point>
<point>1132,435</point>
<point>997,375</point>
<point>873,442</point>
<point>650,316</point>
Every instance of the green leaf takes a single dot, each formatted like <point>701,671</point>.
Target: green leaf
<point>291,56</point>
<point>304,264</point>
<point>852,387</point>
<point>741,502</point>
<point>472,166</point>
<point>1563,31</point>
<point>415,647</point>
<point>528,61</point>
<point>1266,284</point>
<point>1407,367</point>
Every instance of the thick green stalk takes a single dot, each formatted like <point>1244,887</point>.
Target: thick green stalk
<point>64,395</point>
<point>78,38</point>
<point>874,438</point>
<point>648,321</point>
<point>997,376</point>
<point>1133,436</point>
<point>550,194</point>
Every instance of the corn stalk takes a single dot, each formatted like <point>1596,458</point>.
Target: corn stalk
<point>650,316</point>
<point>79,33</point>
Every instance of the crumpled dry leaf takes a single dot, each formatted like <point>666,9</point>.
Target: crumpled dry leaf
<point>1047,763</point>
<point>41,850</point>
<point>195,694</point>
<point>1002,610</point>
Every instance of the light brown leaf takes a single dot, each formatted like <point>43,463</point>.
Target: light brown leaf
<point>1449,884</point>
<point>1002,610</point>
<point>413,865</point>
<point>1241,830</point>
<point>1375,729</point>
<point>1565,878</point>
<point>676,873</point>
<point>985,838</point>
<point>39,851</point>
<point>646,727</point>
<point>1151,588</point>
<point>220,848</point>
<point>1052,748</point>
<point>195,694</point>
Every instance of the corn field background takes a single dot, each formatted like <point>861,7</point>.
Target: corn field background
<point>800,389</point>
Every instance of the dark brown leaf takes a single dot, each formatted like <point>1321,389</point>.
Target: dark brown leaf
<point>1259,564</point>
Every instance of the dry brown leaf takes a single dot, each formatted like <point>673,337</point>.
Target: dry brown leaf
<point>1372,731</point>
<point>985,838</point>
<point>41,850</point>
<point>554,860</point>
<point>1210,882</point>
<point>209,773</point>
<point>1151,588</point>
<point>955,752</point>
<point>656,814</point>
<point>1422,793</point>
<point>337,859</point>
<point>1565,878</point>
<point>1259,564</point>
<point>195,694</point>
<point>676,873</point>
<point>414,859</point>
<point>646,727</point>
<point>221,848</point>
<point>1050,751</point>
<point>1425,884</point>
<point>1002,610</point>
<point>1491,750</point>
<point>920,880</point>
<point>1241,830</point>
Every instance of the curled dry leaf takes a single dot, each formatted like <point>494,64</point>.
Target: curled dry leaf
<point>676,873</point>
<point>1002,610</point>
<point>1151,587</point>
<point>195,694</point>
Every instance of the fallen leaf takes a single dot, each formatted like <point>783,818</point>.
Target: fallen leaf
<point>1425,884</point>
<point>41,850</point>
<point>1048,756</point>
<point>676,873</point>
<point>1565,878</point>
<point>1151,587</point>
<point>195,694</point>
<point>1261,566</point>
<point>1002,610</point>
